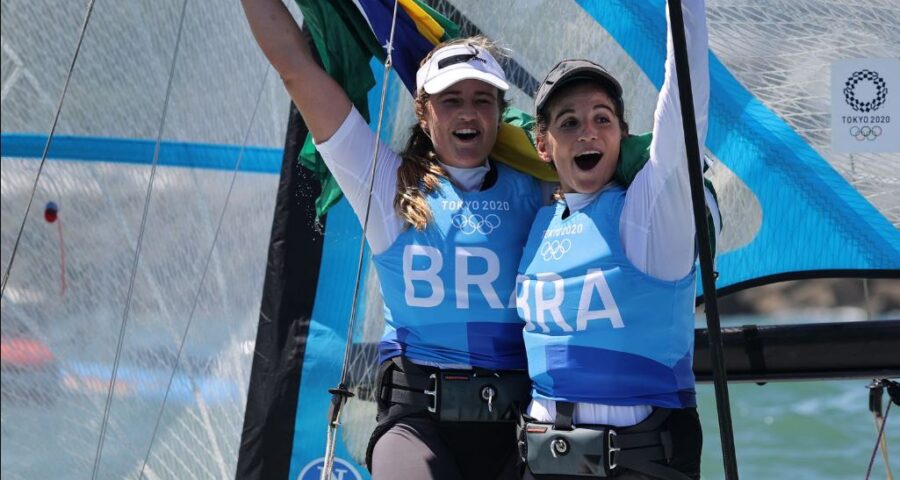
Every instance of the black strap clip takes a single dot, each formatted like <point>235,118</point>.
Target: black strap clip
<point>432,392</point>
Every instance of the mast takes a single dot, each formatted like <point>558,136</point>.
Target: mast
<point>294,260</point>
<point>706,261</point>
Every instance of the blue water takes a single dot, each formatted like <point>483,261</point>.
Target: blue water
<point>810,430</point>
<point>802,430</point>
<point>798,430</point>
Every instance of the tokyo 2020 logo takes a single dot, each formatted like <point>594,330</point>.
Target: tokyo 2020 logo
<point>865,106</point>
<point>555,249</point>
<point>470,224</point>
<point>865,132</point>
<point>876,97</point>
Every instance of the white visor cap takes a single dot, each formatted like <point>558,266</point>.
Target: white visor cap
<point>455,63</point>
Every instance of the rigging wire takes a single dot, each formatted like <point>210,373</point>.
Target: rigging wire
<point>137,253</point>
<point>15,248</point>
<point>876,395</point>
<point>206,265</point>
<point>878,440</point>
<point>341,393</point>
<point>714,328</point>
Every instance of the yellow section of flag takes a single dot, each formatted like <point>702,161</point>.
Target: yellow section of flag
<point>427,26</point>
<point>514,149</point>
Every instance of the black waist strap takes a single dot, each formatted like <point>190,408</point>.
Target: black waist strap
<point>638,447</point>
<point>476,395</point>
<point>405,388</point>
<point>564,413</point>
<point>450,393</point>
<point>411,381</point>
<point>407,397</point>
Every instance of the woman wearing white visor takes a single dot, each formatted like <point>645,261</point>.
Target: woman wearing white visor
<point>446,231</point>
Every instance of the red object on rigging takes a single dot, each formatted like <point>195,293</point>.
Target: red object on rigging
<point>51,211</point>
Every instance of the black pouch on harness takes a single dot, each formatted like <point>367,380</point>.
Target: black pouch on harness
<point>597,450</point>
<point>477,396</point>
<point>578,452</point>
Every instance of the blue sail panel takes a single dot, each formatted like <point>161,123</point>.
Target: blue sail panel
<point>812,218</point>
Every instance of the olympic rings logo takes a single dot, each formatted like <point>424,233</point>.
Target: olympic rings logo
<point>865,132</point>
<point>555,249</point>
<point>470,224</point>
<point>850,91</point>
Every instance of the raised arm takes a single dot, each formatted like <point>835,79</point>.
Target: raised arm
<point>668,149</point>
<point>344,139</point>
<point>657,227</point>
<point>322,102</point>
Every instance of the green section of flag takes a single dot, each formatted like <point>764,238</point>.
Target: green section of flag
<point>346,45</point>
<point>518,118</point>
<point>633,154</point>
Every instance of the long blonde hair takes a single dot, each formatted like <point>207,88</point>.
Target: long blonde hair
<point>419,173</point>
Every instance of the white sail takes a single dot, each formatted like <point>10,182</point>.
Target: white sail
<point>64,307</point>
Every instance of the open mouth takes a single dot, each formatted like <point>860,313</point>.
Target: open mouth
<point>465,134</point>
<point>587,160</point>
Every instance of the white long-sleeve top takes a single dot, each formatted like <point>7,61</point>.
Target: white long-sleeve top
<point>657,223</point>
<point>349,154</point>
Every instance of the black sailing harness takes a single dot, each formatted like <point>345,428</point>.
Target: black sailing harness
<point>560,448</point>
<point>472,395</point>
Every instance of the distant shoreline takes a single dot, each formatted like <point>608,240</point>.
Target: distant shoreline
<point>821,294</point>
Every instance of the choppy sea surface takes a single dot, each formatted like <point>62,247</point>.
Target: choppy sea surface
<point>810,430</point>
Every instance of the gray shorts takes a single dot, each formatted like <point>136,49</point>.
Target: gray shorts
<point>418,447</point>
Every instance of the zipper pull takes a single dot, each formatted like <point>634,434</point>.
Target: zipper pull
<point>488,393</point>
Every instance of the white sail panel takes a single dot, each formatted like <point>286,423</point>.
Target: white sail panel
<point>64,305</point>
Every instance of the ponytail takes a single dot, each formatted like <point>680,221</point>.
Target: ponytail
<point>419,174</point>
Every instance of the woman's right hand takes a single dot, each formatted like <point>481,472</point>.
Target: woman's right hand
<point>322,102</point>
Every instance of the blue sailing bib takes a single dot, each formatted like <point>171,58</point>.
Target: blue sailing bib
<point>449,291</point>
<point>597,329</point>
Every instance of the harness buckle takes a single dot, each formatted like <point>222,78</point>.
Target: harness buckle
<point>612,449</point>
<point>433,392</point>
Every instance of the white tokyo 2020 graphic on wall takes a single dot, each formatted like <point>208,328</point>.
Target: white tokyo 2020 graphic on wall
<point>865,105</point>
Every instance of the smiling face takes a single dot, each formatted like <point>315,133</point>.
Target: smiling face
<point>582,138</point>
<point>462,122</point>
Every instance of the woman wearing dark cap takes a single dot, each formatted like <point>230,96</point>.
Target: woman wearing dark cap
<point>446,232</point>
<point>607,283</point>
